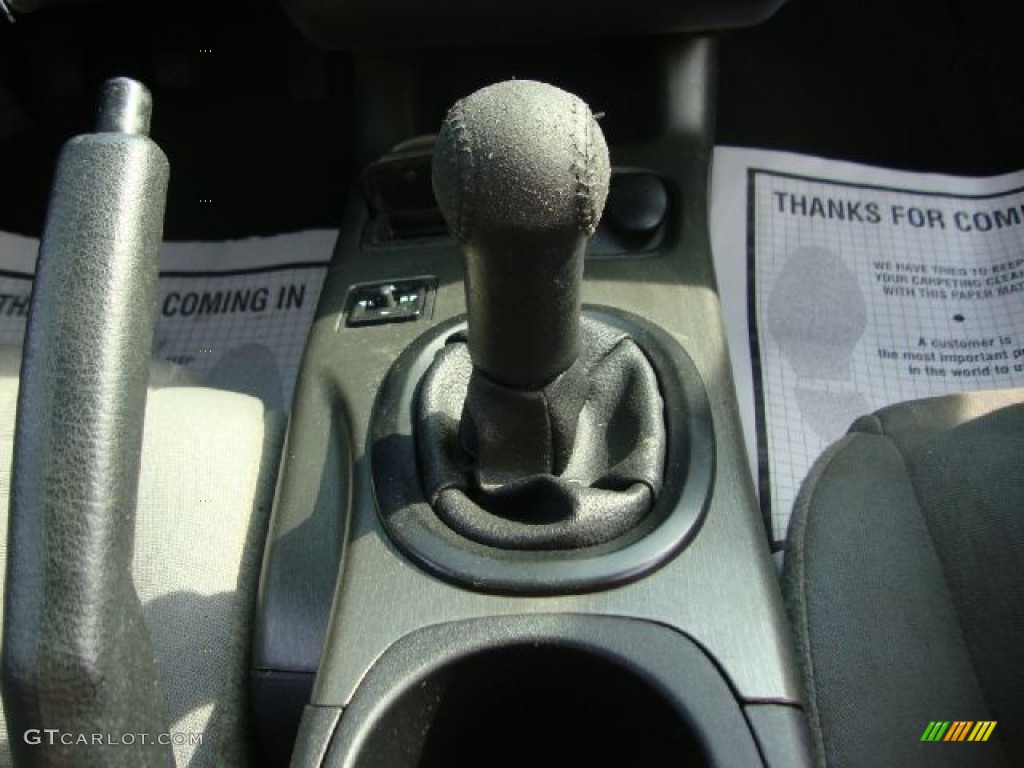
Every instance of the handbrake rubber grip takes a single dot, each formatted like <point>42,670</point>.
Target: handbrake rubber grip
<point>76,653</point>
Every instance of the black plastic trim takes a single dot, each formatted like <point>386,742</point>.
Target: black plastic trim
<point>666,661</point>
<point>782,735</point>
<point>318,727</point>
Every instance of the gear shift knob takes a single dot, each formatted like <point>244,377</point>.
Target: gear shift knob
<point>521,175</point>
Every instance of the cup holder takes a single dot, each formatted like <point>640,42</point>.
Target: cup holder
<point>546,690</point>
<point>520,706</point>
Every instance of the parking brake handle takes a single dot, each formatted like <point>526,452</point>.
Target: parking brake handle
<point>76,653</point>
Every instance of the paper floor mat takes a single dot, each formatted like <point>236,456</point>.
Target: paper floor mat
<point>847,288</point>
<point>236,313</point>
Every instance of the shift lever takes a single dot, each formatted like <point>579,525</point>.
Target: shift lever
<point>548,431</point>
<point>521,176</point>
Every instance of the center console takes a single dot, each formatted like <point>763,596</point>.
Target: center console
<point>515,524</point>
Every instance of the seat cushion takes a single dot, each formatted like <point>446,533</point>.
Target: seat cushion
<point>209,461</point>
<point>904,579</point>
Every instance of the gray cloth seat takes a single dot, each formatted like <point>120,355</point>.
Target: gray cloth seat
<point>206,482</point>
<point>904,579</point>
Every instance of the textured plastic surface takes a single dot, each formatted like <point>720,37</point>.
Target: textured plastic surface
<point>360,23</point>
<point>278,702</point>
<point>314,736</point>
<point>782,735</point>
<point>389,725</point>
<point>77,656</point>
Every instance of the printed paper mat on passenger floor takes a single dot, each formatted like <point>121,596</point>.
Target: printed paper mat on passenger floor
<point>848,288</point>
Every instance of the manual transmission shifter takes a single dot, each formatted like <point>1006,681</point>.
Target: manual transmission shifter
<point>521,175</point>
<point>546,431</point>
